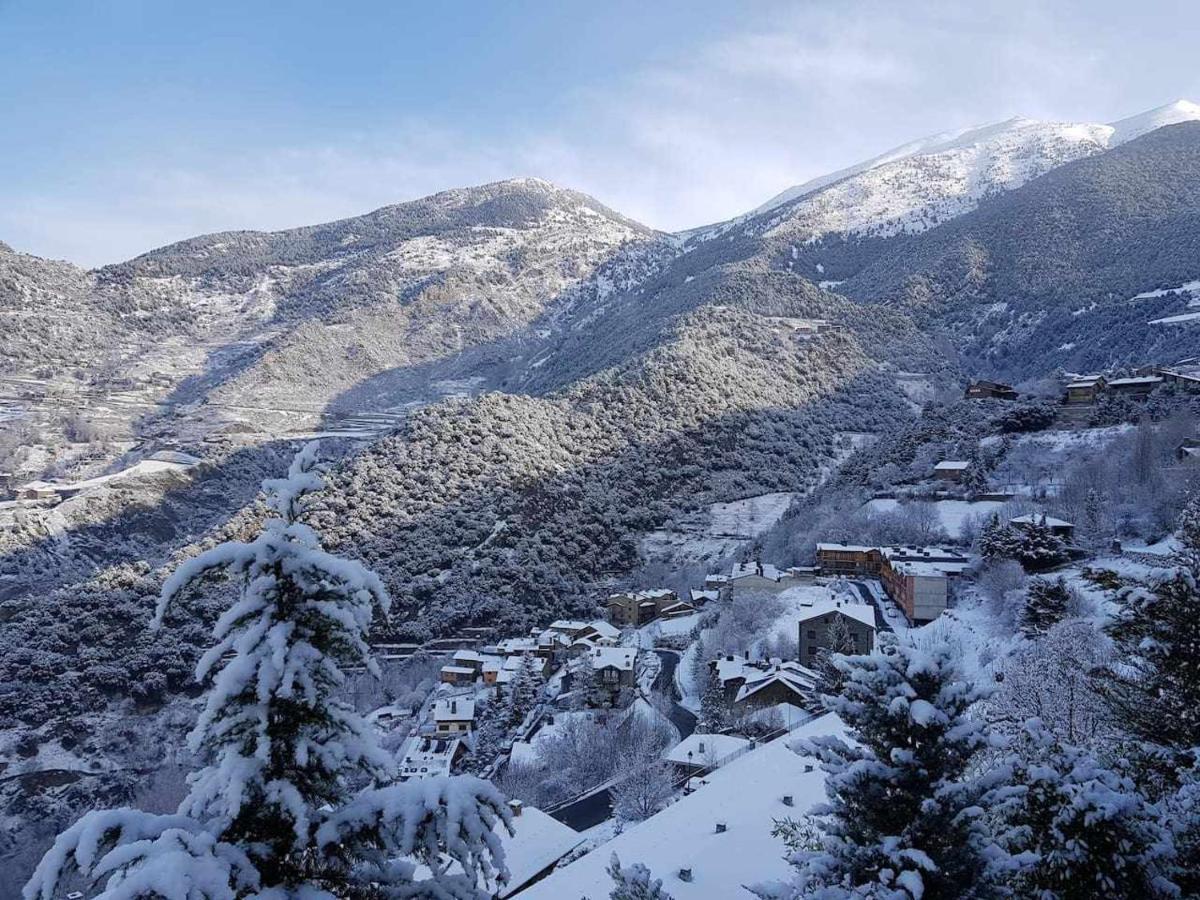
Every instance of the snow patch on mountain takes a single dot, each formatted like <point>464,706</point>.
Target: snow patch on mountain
<point>927,182</point>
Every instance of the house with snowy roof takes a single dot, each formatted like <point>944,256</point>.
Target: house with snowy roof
<point>821,621</point>
<point>614,666</point>
<point>428,757</point>
<point>918,578</point>
<point>717,839</point>
<point>454,715</point>
<point>1058,527</point>
<point>778,682</point>
<point>760,578</point>
<point>698,752</point>
<point>637,608</point>
<point>951,470</point>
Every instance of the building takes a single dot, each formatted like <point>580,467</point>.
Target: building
<point>710,843</point>
<point>815,624</point>
<point>454,715</point>
<point>1185,373</point>
<point>776,682</point>
<point>1085,389</point>
<point>1189,450</point>
<point>428,757</point>
<point>993,390</point>
<point>849,560</point>
<point>569,627</point>
<point>700,596</point>
<point>952,470</point>
<point>1140,386</point>
<point>699,752</point>
<point>759,578</point>
<point>460,675</point>
<point>615,666</point>
<point>37,490</point>
<point>1058,527</point>
<point>918,579</point>
<point>637,608</point>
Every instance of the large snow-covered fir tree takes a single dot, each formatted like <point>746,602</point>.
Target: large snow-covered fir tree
<point>903,820</point>
<point>1074,830</point>
<point>275,812</point>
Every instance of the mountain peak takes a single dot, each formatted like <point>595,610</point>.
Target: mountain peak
<point>1170,114</point>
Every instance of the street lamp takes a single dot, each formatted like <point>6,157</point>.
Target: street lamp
<point>687,788</point>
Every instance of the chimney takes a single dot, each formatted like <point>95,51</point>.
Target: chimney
<point>721,829</point>
<point>685,874</point>
<point>516,806</point>
<point>788,800</point>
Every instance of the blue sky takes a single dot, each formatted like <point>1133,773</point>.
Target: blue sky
<point>131,124</point>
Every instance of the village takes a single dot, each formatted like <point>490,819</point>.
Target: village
<point>505,706</point>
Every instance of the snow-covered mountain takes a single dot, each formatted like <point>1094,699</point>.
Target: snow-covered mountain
<point>927,182</point>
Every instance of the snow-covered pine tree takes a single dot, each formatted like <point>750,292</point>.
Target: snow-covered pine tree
<point>1045,605</point>
<point>839,639</point>
<point>273,812</point>
<point>1153,687</point>
<point>1039,547</point>
<point>634,882</point>
<point>714,710</point>
<point>1075,830</point>
<point>903,818</point>
<point>491,728</point>
<point>999,540</point>
<point>524,692</point>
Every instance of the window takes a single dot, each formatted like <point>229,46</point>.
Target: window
<point>812,634</point>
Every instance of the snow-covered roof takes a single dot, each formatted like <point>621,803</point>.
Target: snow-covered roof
<point>1079,381</point>
<point>1037,518</point>
<point>605,629</point>
<point>791,675</point>
<point>698,595</point>
<point>551,637</point>
<point>538,841</point>
<point>1142,379</point>
<point>706,749</point>
<point>568,625</point>
<point>621,658</point>
<point>928,569</point>
<point>746,795</point>
<point>467,656</point>
<point>860,612</point>
<point>425,757</point>
<point>458,670</point>
<point>493,665</point>
<point>844,548</point>
<point>454,709</point>
<point>516,645</point>
<point>748,569</point>
<point>952,465</point>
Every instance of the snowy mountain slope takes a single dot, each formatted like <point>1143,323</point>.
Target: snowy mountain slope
<point>924,183</point>
<point>269,328</point>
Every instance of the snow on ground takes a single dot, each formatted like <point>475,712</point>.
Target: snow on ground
<point>952,513</point>
<point>725,528</point>
<point>1065,439</point>
<point>1191,287</point>
<point>1176,320</point>
<point>746,795</point>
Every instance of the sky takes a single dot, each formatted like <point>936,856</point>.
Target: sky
<point>128,124</point>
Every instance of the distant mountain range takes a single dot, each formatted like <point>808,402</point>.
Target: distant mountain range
<point>558,380</point>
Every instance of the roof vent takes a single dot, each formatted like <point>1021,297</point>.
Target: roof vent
<point>788,800</point>
<point>685,874</point>
<point>721,828</point>
<point>516,806</point>
<point>808,768</point>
